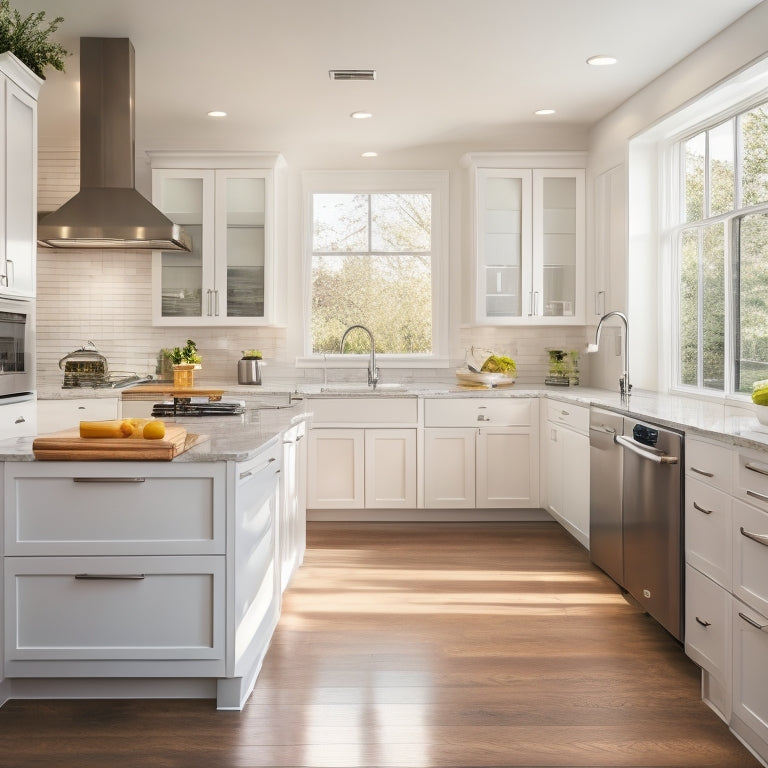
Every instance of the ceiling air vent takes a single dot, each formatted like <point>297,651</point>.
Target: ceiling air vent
<point>352,74</point>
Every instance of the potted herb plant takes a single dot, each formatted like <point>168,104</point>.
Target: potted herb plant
<point>27,38</point>
<point>184,361</point>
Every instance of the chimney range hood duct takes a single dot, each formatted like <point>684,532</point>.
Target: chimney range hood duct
<point>108,212</point>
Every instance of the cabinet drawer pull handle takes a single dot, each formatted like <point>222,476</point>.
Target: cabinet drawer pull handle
<point>701,509</point>
<point>753,622</point>
<point>755,468</point>
<point>109,576</point>
<point>702,472</point>
<point>249,472</point>
<point>20,420</point>
<point>756,495</point>
<point>482,417</point>
<point>109,479</point>
<point>704,623</point>
<point>760,538</point>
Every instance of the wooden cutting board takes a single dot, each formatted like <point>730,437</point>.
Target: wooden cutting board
<point>69,446</point>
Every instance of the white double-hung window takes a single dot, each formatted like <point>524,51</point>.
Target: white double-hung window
<point>720,243</point>
<point>376,255</point>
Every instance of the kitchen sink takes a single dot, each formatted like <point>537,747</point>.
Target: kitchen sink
<point>364,389</point>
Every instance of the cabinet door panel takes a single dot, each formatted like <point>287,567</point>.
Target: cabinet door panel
<point>708,530</point>
<point>449,468</point>
<point>335,477</point>
<point>750,555</point>
<point>504,469</point>
<point>750,668</point>
<point>390,468</point>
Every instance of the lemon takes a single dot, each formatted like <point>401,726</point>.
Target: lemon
<point>154,430</point>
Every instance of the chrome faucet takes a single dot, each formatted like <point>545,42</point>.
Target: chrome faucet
<point>373,371</point>
<point>625,388</point>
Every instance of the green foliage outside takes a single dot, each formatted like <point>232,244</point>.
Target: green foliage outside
<point>704,248</point>
<point>27,39</point>
<point>372,266</point>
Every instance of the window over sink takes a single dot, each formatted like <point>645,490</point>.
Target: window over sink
<point>377,256</point>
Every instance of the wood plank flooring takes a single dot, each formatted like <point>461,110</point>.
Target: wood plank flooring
<point>422,645</point>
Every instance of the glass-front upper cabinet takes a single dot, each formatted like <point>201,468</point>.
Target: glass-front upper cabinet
<point>226,278</point>
<point>504,237</point>
<point>530,251</point>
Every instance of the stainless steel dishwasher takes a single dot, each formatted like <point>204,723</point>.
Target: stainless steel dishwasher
<point>653,520</point>
<point>606,547</point>
<point>635,513</point>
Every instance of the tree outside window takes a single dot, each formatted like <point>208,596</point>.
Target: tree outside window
<point>722,255</point>
<point>372,265</point>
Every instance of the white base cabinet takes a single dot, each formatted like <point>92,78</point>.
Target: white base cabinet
<point>566,437</point>
<point>481,453</point>
<point>144,573</point>
<point>362,453</point>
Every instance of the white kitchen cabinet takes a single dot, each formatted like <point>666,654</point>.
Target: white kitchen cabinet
<point>708,636</point>
<point>708,558</point>
<point>390,468</point>
<point>18,419</point>
<point>750,677</point>
<point>293,500</point>
<point>255,597</point>
<point>226,204</point>
<point>610,243</point>
<point>449,467</point>
<point>491,466</point>
<point>371,465</point>
<point>567,467</point>
<point>56,415</point>
<point>529,225</point>
<point>18,191</point>
<point>336,469</point>
<point>362,469</point>
<point>114,579</point>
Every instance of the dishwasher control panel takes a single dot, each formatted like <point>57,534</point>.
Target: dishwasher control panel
<point>645,435</point>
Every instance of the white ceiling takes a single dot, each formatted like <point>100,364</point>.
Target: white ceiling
<point>465,72</point>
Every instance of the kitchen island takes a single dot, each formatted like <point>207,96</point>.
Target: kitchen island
<point>152,578</point>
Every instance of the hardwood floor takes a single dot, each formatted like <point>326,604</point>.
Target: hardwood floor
<point>422,645</point>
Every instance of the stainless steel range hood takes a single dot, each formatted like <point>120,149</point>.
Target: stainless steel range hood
<point>108,212</point>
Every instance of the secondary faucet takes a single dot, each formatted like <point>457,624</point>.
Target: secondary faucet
<point>373,371</point>
<point>625,387</point>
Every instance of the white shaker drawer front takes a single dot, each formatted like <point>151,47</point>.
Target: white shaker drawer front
<point>104,511</point>
<point>709,462</point>
<point>480,412</point>
<point>364,410</point>
<point>574,416</point>
<point>751,479</point>
<point>707,624</point>
<point>708,530</point>
<point>102,608</point>
<point>750,556</point>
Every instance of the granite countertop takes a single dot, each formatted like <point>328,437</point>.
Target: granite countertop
<point>273,407</point>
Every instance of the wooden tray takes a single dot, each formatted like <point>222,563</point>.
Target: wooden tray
<point>69,446</point>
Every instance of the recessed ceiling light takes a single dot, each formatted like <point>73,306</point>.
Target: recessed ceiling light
<point>217,113</point>
<point>361,115</point>
<point>544,112</point>
<point>601,61</point>
<point>370,154</point>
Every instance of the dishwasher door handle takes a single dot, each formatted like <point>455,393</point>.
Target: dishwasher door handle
<point>657,458</point>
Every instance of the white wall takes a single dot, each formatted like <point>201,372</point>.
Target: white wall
<point>731,51</point>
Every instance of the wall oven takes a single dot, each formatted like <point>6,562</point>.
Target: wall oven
<point>17,349</point>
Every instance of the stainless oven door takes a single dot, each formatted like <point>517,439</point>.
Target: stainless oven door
<point>17,347</point>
